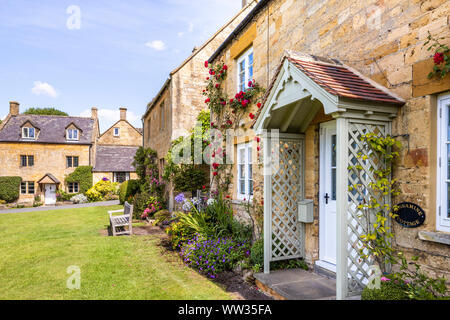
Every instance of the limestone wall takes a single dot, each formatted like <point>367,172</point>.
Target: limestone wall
<point>384,41</point>
<point>128,135</point>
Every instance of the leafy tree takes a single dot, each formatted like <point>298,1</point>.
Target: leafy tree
<point>46,111</point>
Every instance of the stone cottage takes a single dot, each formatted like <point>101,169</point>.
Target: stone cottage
<point>43,150</point>
<point>334,71</point>
<point>115,151</point>
<point>173,111</point>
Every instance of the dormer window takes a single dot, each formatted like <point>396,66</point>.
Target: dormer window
<point>116,132</point>
<point>28,133</point>
<point>72,134</point>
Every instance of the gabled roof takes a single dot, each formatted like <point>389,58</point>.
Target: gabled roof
<point>336,84</point>
<point>115,159</point>
<point>339,80</point>
<point>49,178</point>
<point>52,128</point>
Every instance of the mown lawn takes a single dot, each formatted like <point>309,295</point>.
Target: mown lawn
<point>37,248</point>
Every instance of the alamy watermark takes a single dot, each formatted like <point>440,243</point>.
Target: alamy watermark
<point>74,19</point>
<point>74,280</point>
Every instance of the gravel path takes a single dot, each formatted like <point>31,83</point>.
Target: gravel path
<point>70,206</point>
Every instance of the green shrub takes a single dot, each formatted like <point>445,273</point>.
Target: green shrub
<point>389,290</point>
<point>189,178</point>
<point>82,175</point>
<point>10,188</point>
<point>145,205</point>
<point>61,195</point>
<point>257,252</point>
<point>101,189</point>
<point>127,189</point>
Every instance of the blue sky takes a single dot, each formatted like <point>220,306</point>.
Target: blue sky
<point>120,56</point>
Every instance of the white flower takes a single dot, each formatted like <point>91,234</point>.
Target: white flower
<point>211,201</point>
<point>195,201</point>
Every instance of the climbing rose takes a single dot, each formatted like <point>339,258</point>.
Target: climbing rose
<point>225,67</point>
<point>217,85</point>
<point>207,100</point>
<point>215,173</point>
<point>259,105</point>
<point>206,64</point>
<point>231,100</point>
<point>438,58</point>
<point>252,116</point>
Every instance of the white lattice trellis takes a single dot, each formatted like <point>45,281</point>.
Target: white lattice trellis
<point>355,224</point>
<point>286,191</point>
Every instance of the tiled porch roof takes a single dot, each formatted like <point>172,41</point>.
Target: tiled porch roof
<point>339,80</point>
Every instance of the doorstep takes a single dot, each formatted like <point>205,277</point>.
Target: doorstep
<point>296,284</point>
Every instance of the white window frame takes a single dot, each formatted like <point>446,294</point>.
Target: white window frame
<point>26,133</point>
<point>69,131</point>
<point>114,132</point>
<point>127,176</point>
<point>247,162</point>
<point>442,219</point>
<point>245,57</point>
<point>75,187</point>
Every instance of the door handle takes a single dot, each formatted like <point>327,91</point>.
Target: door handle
<point>326,198</point>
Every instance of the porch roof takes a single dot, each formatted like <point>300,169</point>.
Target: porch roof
<point>335,85</point>
<point>49,178</point>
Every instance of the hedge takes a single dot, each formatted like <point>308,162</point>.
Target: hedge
<point>10,188</point>
<point>127,189</point>
<point>82,175</point>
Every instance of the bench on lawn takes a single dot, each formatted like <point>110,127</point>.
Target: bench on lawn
<point>122,221</point>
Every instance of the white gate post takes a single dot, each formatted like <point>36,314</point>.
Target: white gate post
<point>341,206</point>
<point>267,171</point>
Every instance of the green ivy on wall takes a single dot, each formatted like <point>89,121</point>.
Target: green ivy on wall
<point>82,175</point>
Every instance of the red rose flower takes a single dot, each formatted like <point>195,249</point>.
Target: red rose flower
<point>207,78</point>
<point>215,173</point>
<point>438,58</point>
<point>207,100</point>
<point>252,116</point>
<point>225,67</point>
<point>217,85</point>
<point>259,105</point>
<point>231,100</point>
<point>203,187</point>
<point>206,64</point>
<point>215,166</point>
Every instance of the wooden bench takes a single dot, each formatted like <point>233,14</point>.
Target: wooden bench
<point>122,221</point>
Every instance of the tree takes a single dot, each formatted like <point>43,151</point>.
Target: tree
<point>46,111</point>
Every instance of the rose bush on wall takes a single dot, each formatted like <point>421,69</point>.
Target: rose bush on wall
<point>441,56</point>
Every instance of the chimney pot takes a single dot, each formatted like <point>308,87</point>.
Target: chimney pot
<point>123,113</point>
<point>13,108</point>
<point>94,113</point>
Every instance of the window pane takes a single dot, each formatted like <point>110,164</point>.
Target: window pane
<point>31,187</point>
<point>75,134</point>
<point>31,161</point>
<point>75,161</point>
<point>31,132</point>
<point>242,171</point>
<point>333,150</point>
<point>76,188</point>
<point>69,162</point>
<point>242,186</point>
<point>333,184</point>
<point>23,187</point>
<point>23,161</point>
<point>250,187</point>
<point>250,59</point>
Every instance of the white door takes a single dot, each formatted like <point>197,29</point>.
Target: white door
<point>327,196</point>
<point>50,194</point>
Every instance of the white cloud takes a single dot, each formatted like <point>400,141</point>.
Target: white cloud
<point>158,45</point>
<point>43,88</point>
<point>107,117</point>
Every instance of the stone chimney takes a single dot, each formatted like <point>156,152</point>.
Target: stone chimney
<point>123,113</point>
<point>13,108</point>
<point>94,113</point>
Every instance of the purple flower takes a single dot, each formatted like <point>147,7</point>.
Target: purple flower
<point>384,279</point>
<point>180,198</point>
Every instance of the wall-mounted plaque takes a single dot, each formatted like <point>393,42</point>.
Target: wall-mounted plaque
<point>410,215</point>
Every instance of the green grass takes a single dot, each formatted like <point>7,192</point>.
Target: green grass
<point>36,249</point>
